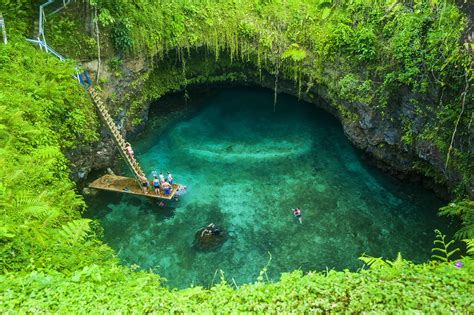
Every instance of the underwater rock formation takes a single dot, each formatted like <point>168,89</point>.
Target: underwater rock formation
<point>209,237</point>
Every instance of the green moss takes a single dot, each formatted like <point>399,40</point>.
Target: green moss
<point>408,135</point>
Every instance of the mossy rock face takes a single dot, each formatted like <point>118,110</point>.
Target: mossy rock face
<point>209,238</point>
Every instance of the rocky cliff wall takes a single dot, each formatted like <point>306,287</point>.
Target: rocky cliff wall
<point>393,136</point>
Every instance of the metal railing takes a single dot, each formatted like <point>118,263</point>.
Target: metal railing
<point>4,31</point>
<point>40,37</point>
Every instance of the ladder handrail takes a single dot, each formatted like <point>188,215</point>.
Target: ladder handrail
<point>40,38</point>
<point>116,135</point>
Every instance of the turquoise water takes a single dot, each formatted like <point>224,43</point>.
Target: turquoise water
<point>245,167</point>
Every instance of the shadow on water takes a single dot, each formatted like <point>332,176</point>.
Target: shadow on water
<point>246,168</point>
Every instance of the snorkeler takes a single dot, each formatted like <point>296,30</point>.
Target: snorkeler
<point>297,214</point>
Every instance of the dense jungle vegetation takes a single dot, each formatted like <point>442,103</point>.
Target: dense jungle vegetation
<point>52,260</point>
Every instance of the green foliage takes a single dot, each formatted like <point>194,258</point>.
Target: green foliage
<point>17,15</point>
<point>115,64</point>
<point>75,231</point>
<point>121,37</point>
<point>105,18</point>
<point>355,90</point>
<point>97,289</point>
<point>463,209</point>
<point>379,262</point>
<point>443,247</point>
<point>294,53</point>
<point>470,246</point>
<point>62,33</point>
<point>43,112</point>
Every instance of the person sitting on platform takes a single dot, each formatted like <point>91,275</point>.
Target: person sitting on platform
<point>144,184</point>
<point>128,147</point>
<point>166,188</point>
<point>156,185</point>
<point>170,178</point>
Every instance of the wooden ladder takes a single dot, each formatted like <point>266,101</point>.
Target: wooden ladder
<point>116,135</point>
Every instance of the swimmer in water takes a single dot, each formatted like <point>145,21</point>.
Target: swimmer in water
<point>297,214</point>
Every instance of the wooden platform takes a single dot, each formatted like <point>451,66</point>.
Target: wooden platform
<point>128,185</point>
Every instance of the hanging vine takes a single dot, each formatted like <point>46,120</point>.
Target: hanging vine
<point>463,105</point>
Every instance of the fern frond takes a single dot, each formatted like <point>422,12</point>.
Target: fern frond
<point>47,153</point>
<point>452,252</point>
<point>75,231</point>
<point>373,262</point>
<point>398,262</point>
<point>439,257</point>
<point>449,243</point>
<point>465,232</point>
<point>6,233</point>
<point>470,246</point>
<point>53,214</point>
<point>40,236</point>
<point>442,250</point>
<point>464,209</point>
<point>29,205</point>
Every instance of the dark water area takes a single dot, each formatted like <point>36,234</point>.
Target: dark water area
<point>245,168</point>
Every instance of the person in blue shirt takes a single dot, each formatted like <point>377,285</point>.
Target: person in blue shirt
<point>156,185</point>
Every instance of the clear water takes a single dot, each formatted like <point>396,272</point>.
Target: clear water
<point>245,168</point>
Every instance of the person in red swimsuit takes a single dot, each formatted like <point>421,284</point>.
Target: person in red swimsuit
<point>297,214</point>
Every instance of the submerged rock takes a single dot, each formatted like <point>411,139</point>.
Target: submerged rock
<point>209,237</point>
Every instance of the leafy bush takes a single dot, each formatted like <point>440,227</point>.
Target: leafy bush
<point>121,37</point>
<point>423,288</point>
<point>43,111</point>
